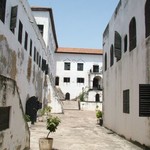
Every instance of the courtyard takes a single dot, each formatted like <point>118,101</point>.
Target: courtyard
<point>79,131</point>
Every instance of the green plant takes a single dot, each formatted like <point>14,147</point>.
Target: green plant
<point>98,114</point>
<point>27,118</point>
<point>52,123</point>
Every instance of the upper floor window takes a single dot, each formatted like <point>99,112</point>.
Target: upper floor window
<point>147,18</point>
<point>80,66</point>
<point>35,54</point>
<point>132,34</point>
<point>26,41</point>
<point>95,68</point>
<point>80,80</point>
<point>125,43</point>
<point>66,79</point>
<point>41,28</point>
<point>117,45</point>
<point>2,10</point>
<point>30,47</point>
<point>13,19</point>
<point>111,55</point>
<point>20,32</point>
<point>105,61</point>
<point>67,66</point>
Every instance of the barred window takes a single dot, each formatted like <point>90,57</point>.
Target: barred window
<point>2,10</point>
<point>126,101</point>
<point>80,80</point>
<point>80,66</point>
<point>67,66</point>
<point>66,79</point>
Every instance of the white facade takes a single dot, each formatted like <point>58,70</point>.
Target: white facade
<point>127,80</point>
<point>22,51</point>
<point>79,81</point>
<point>44,17</point>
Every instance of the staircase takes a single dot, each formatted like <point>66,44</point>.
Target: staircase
<point>70,105</point>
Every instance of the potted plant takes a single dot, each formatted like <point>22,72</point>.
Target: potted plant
<point>28,120</point>
<point>52,124</point>
<point>99,117</point>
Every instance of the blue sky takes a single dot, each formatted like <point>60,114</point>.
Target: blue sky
<point>79,23</point>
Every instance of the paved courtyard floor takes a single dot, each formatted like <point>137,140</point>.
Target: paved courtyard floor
<point>79,131</point>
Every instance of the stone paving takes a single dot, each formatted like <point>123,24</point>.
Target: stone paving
<point>79,131</point>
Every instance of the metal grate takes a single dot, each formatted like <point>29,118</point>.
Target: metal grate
<point>144,100</point>
<point>126,102</point>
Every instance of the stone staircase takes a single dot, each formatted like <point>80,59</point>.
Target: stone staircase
<point>70,105</point>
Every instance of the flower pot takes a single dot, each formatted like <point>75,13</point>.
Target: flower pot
<point>45,143</point>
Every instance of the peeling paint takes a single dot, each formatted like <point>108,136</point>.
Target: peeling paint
<point>13,70</point>
<point>29,69</point>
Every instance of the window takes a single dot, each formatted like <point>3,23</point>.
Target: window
<point>30,47</point>
<point>47,69</point>
<point>13,19</point>
<point>132,34</point>
<point>105,61</point>
<point>4,118</point>
<point>67,66</point>
<point>80,80</point>
<point>39,61</point>
<point>80,66</point>
<point>57,81</point>
<point>66,79</point>
<point>126,105</point>
<point>41,28</point>
<point>125,43</point>
<point>37,58</point>
<point>20,32</point>
<point>35,54</point>
<point>95,68</point>
<point>111,55</point>
<point>2,10</point>
<point>97,98</point>
<point>26,41</point>
<point>147,18</point>
<point>117,45</point>
<point>43,64</point>
<point>144,100</point>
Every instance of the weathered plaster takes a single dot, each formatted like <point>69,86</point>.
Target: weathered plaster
<point>13,69</point>
<point>33,74</point>
<point>29,69</point>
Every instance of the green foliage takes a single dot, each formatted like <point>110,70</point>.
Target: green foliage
<point>27,118</point>
<point>52,123</point>
<point>98,114</point>
<point>82,97</point>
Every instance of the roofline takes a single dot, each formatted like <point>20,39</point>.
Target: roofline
<point>81,52</point>
<point>51,18</point>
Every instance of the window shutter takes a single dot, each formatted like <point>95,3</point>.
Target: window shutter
<point>43,64</point>
<point>144,100</point>
<point>117,45</point>
<point>13,19</point>
<point>46,69</point>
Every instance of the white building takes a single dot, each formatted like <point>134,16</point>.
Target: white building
<point>45,21</point>
<point>126,74</point>
<point>25,59</point>
<point>79,71</point>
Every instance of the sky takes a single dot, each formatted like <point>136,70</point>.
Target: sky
<point>79,23</point>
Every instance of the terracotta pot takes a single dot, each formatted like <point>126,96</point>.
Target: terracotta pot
<point>45,143</point>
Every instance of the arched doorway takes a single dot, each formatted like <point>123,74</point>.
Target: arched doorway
<point>32,106</point>
<point>67,96</point>
<point>97,98</point>
<point>97,83</point>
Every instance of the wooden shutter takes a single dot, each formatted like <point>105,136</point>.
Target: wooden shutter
<point>13,19</point>
<point>144,100</point>
<point>117,45</point>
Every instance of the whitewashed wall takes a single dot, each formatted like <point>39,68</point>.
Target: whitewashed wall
<point>127,73</point>
<point>73,87</point>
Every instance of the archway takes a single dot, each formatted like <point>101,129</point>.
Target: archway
<point>67,96</point>
<point>97,83</point>
<point>97,98</point>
